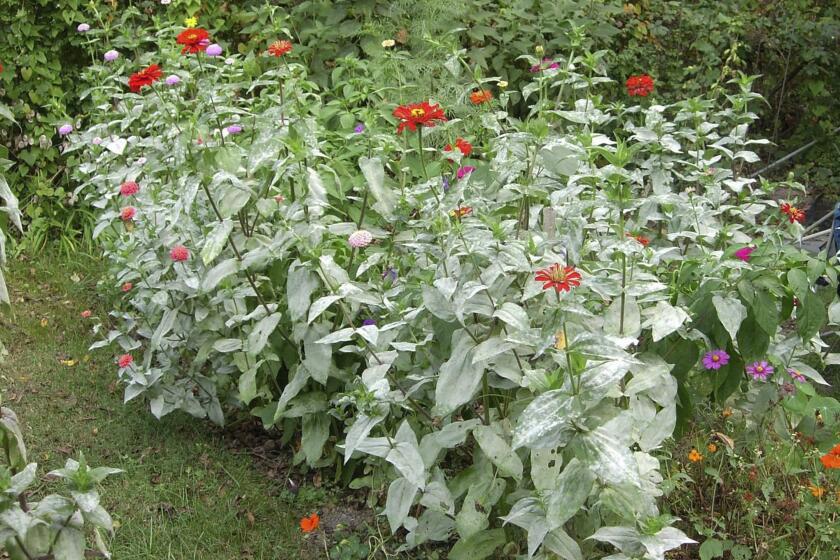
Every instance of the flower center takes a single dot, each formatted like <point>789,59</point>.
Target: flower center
<point>418,112</point>
<point>715,358</point>
<point>759,369</point>
<point>558,275</point>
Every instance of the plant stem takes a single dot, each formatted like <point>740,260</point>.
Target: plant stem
<point>423,161</point>
<point>623,292</point>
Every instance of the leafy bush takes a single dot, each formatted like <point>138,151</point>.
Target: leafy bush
<point>52,527</point>
<point>288,254</point>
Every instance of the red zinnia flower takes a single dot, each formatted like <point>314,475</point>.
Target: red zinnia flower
<point>640,238</point>
<point>179,253</point>
<point>143,78</point>
<point>127,213</point>
<point>561,278</point>
<point>461,145</point>
<point>127,287</point>
<point>640,85</point>
<point>279,48</point>
<point>129,188</point>
<point>793,213</point>
<point>86,314</point>
<point>125,360</point>
<point>309,524</point>
<point>418,114</point>
<point>831,460</point>
<point>481,96</point>
<point>194,40</point>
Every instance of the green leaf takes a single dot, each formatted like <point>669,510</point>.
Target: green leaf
<point>665,319</point>
<point>459,377</point>
<point>300,285</point>
<point>258,336</point>
<point>478,546</point>
<point>401,494</point>
<point>219,273</point>
<point>571,490</point>
<point>711,548</point>
<point>374,172</point>
<point>564,546</point>
<point>216,240</point>
<point>731,313</point>
<point>547,422</point>
<point>498,451</point>
<point>316,431</point>
<point>811,315</point>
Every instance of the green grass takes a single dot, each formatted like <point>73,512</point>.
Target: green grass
<point>185,493</point>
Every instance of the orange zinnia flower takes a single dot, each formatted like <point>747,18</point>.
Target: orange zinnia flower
<point>461,211</point>
<point>143,78</point>
<point>793,213</point>
<point>816,491</point>
<point>711,447</point>
<point>194,40</point>
<point>694,456</point>
<point>418,114</point>
<point>831,460</point>
<point>481,96</point>
<point>561,278</point>
<point>309,524</point>
<point>640,238</point>
<point>279,48</point>
<point>461,145</point>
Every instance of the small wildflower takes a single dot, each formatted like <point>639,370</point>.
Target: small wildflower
<point>280,48</point>
<point>179,253</point>
<point>65,129</point>
<point>360,239</point>
<point>540,50</point>
<point>502,84</point>
<point>695,456</point>
<point>125,360</point>
<point>126,287</point>
<point>214,50</point>
<point>727,412</point>
<point>86,314</point>
<point>715,359</point>
<point>229,61</point>
<point>445,184</point>
<point>68,363</point>
<point>359,128</point>
<point>760,370</point>
<point>96,141</point>
<point>478,97</point>
<point>234,129</point>
<point>744,253</point>
<point>711,448</point>
<point>831,460</point>
<point>561,278</point>
<point>388,43</point>
<point>639,86</point>
<point>560,340</point>
<point>390,274</point>
<point>309,524</point>
<point>190,22</point>
<point>368,322</point>
<point>45,322</point>
<point>816,491</point>
<point>173,80</point>
<point>83,28</point>
<point>111,56</point>
<point>279,198</point>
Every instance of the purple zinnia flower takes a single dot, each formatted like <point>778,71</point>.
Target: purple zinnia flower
<point>173,80</point>
<point>234,129</point>
<point>760,370</point>
<point>744,253</point>
<point>83,28</point>
<point>547,64</point>
<point>798,377</point>
<point>715,359</point>
<point>111,56</point>
<point>213,50</point>
<point>464,171</point>
<point>445,184</point>
<point>359,128</point>
<point>360,239</point>
<point>368,322</point>
<point>65,129</point>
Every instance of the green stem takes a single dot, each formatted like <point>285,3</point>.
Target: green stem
<point>623,292</point>
<point>423,161</point>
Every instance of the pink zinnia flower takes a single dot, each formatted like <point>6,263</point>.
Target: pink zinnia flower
<point>760,370</point>
<point>127,214</point>
<point>86,314</point>
<point>179,253</point>
<point>127,287</point>
<point>125,360</point>
<point>744,253</point>
<point>464,171</point>
<point>129,188</point>
<point>65,129</point>
<point>359,239</point>
<point>715,359</point>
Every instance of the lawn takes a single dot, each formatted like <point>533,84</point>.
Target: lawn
<point>186,492</point>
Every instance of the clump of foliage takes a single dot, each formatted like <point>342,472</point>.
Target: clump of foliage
<point>53,526</point>
<point>492,323</point>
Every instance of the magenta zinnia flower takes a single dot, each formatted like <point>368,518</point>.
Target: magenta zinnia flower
<point>715,359</point>
<point>798,377</point>
<point>760,370</point>
<point>125,360</point>
<point>359,239</point>
<point>464,171</point>
<point>129,188</point>
<point>179,253</point>
<point>744,253</point>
